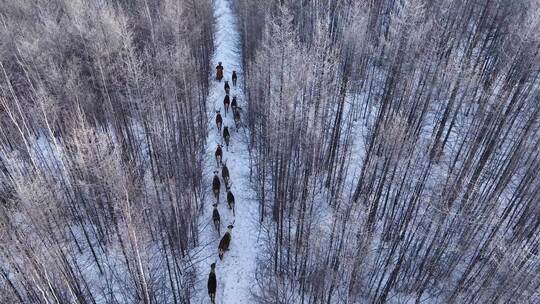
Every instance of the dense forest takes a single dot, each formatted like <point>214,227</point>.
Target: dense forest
<point>396,149</point>
<point>393,150</point>
<point>102,114</point>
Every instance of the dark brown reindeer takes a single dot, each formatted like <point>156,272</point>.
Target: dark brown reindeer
<point>226,103</point>
<point>236,117</point>
<point>226,136</point>
<point>227,87</point>
<point>234,103</point>
<point>234,78</point>
<point>219,72</point>
<point>212,283</point>
<point>225,174</point>
<point>219,121</point>
<point>216,219</point>
<point>216,186</point>
<point>230,200</point>
<point>225,241</point>
<point>219,155</point>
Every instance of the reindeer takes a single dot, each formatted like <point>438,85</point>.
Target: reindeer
<point>219,72</point>
<point>230,200</point>
<point>219,155</point>
<point>234,104</point>
<point>219,120</point>
<point>212,283</point>
<point>225,241</point>
<point>226,103</point>
<point>236,117</point>
<point>225,174</point>
<point>227,136</point>
<point>227,87</point>
<point>216,218</point>
<point>234,78</point>
<point>216,186</point>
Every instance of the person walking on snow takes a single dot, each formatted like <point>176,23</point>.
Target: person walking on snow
<point>219,72</point>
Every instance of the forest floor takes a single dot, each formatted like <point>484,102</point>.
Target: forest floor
<point>236,272</point>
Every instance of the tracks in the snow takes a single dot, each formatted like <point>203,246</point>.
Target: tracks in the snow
<point>235,273</point>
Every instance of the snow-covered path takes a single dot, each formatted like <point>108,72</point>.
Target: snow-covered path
<point>236,273</point>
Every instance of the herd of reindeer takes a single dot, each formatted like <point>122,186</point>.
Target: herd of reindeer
<point>216,182</point>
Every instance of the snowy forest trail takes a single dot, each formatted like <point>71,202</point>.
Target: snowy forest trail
<point>236,272</point>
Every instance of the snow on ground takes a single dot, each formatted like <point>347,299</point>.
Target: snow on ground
<point>236,273</point>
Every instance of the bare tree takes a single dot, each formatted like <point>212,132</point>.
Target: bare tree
<point>102,125</point>
<point>393,143</point>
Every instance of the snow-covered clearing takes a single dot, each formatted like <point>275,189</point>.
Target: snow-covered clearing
<point>236,273</point>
